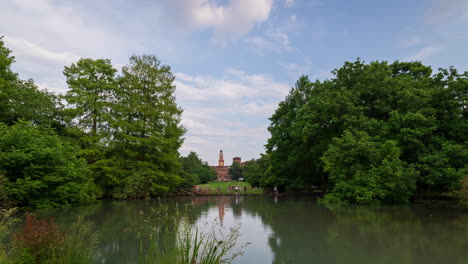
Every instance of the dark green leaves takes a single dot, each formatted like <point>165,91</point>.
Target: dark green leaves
<point>375,133</point>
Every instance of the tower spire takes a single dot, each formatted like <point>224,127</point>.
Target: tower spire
<point>221,159</point>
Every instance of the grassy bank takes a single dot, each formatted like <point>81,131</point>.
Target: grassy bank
<point>212,188</point>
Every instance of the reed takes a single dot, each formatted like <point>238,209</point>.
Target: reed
<point>175,241</point>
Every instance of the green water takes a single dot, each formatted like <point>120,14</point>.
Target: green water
<point>290,229</point>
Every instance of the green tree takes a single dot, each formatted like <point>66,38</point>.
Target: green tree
<point>92,86</point>
<point>289,163</point>
<point>404,106</point>
<point>236,171</point>
<point>254,171</point>
<point>199,171</point>
<point>143,157</point>
<point>21,99</point>
<point>365,170</point>
<point>40,169</point>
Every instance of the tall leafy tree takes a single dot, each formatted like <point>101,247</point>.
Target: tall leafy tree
<point>146,131</point>
<point>287,164</point>
<point>419,117</point>
<point>92,86</point>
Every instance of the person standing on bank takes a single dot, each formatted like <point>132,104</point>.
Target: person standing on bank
<point>275,190</point>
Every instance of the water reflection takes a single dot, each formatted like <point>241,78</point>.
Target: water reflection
<point>289,229</point>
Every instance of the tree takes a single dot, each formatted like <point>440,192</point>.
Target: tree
<point>143,157</point>
<point>40,169</point>
<point>420,118</point>
<point>365,170</point>
<point>199,171</point>
<point>254,171</point>
<point>21,99</point>
<point>236,171</point>
<point>289,163</point>
<point>92,86</point>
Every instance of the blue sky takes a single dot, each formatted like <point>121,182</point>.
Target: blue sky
<point>234,59</point>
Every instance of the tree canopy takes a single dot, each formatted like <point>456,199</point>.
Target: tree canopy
<point>374,133</point>
<point>197,170</point>
<point>40,169</point>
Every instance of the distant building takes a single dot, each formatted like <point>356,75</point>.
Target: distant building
<point>222,172</point>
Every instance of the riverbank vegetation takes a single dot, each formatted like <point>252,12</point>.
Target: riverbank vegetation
<point>112,135</point>
<point>374,133</point>
<point>228,187</point>
<point>171,240</point>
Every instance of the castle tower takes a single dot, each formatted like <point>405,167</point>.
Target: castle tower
<point>221,160</point>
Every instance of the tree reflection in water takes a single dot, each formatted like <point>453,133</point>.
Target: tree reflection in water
<point>295,229</point>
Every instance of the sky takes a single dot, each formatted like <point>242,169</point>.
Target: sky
<point>234,60</point>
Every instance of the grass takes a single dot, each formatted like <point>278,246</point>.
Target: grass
<point>172,241</point>
<point>211,187</point>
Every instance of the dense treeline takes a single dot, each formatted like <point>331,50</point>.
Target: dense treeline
<point>111,135</point>
<point>196,170</point>
<point>374,133</point>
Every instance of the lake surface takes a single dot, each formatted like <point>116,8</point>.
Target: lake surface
<point>289,229</point>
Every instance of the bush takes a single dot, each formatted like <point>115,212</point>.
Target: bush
<point>40,169</point>
<point>364,170</point>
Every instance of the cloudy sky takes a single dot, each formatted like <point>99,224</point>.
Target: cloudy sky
<point>234,59</point>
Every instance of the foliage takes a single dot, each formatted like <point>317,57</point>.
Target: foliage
<point>42,241</point>
<point>197,170</point>
<point>40,169</point>
<point>254,171</point>
<point>207,245</point>
<point>91,84</point>
<point>409,124</point>
<point>142,158</point>
<point>20,99</point>
<point>212,188</point>
<point>378,173</point>
<point>7,220</point>
<point>236,171</point>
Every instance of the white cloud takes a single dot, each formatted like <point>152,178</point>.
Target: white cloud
<point>413,41</point>
<point>236,85</point>
<point>31,51</point>
<point>425,53</point>
<point>231,20</point>
<point>272,39</point>
<point>228,111</point>
<point>47,35</point>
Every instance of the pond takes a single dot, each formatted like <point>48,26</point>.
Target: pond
<point>290,229</point>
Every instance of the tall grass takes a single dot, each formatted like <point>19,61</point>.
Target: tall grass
<point>41,241</point>
<point>7,220</point>
<point>172,240</point>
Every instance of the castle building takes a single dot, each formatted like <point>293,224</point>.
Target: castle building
<point>222,172</point>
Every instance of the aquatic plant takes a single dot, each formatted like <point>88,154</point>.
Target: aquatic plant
<point>42,241</point>
<point>172,240</point>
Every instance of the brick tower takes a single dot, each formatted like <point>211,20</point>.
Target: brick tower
<point>221,160</point>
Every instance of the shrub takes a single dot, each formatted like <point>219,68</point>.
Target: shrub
<point>40,169</point>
